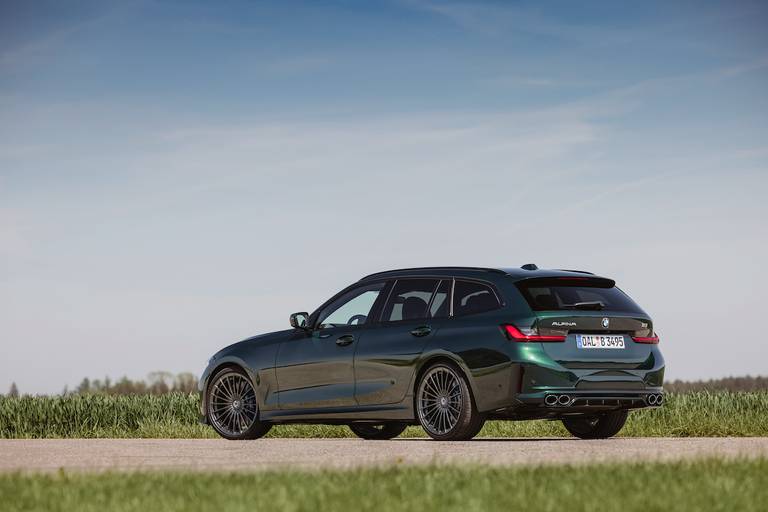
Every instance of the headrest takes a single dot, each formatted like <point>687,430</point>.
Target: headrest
<point>414,307</point>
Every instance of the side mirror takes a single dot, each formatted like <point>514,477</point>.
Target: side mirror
<point>300,320</point>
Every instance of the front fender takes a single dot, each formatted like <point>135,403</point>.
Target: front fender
<point>213,367</point>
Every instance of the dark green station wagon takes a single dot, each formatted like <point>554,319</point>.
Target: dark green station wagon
<point>446,348</point>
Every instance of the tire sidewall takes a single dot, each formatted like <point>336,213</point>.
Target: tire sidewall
<point>466,426</point>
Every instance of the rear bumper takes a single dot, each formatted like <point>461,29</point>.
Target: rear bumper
<point>569,400</point>
<point>556,404</point>
<point>590,383</point>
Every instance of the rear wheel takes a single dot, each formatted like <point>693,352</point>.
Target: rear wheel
<point>386,430</point>
<point>444,405</point>
<point>231,408</point>
<point>596,427</point>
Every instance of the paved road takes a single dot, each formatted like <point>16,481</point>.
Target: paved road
<point>220,455</point>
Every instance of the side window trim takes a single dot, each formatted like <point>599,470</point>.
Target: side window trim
<point>448,298</point>
<point>384,305</point>
<point>432,297</point>
<point>378,307</point>
<point>427,314</point>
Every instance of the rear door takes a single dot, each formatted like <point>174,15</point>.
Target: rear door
<point>385,357</point>
<point>598,320</point>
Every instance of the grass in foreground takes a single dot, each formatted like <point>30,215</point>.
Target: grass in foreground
<point>701,486</point>
<point>710,414</point>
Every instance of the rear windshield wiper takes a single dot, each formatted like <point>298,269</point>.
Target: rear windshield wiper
<point>585,305</point>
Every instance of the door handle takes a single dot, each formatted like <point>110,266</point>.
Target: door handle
<point>423,330</point>
<point>345,340</point>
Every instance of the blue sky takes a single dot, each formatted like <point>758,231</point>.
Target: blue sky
<point>178,175</point>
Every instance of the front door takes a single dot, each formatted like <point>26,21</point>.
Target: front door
<point>386,356</point>
<point>316,370</point>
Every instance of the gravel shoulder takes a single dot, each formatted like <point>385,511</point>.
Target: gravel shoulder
<point>33,455</point>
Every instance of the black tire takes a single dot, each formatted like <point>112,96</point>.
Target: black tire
<point>601,426</point>
<point>386,430</point>
<point>444,404</point>
<point>231,406</point>
<point>479,426</point>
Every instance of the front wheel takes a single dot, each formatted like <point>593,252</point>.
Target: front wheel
<point>232,409</point>
<point>386,430</point>
<point>596,427</point>
<point>444,405</point>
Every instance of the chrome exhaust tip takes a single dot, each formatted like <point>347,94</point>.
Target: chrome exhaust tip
<point>550,400</point>
<point>564,400</point>
<point>659,399</point>
<point>651,399</point>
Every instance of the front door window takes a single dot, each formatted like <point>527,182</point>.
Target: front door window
<point>352,308</point>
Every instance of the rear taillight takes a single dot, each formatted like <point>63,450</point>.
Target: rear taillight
<point>651,340</point>
<point>515,334</point>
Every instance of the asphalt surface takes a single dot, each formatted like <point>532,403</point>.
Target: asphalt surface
<point>220,455</point>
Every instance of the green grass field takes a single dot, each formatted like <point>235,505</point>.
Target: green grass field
<point>175,416</point>
<point>695,486</point>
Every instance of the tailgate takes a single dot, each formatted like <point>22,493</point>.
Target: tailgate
<point>597,341</point>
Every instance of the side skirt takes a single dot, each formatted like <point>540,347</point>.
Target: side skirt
<point>342,415</point>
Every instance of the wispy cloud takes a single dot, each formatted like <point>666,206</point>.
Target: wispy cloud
<point>498,19</point>
<point>536,82</point>
<point>41,45</point>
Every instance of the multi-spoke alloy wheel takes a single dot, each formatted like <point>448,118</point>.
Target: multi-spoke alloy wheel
<point>232,407</point>
<point>444,405</point>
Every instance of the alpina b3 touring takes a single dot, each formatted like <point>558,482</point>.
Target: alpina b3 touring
<point>446,348</point>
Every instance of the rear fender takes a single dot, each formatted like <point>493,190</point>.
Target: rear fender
<point>488,385</point>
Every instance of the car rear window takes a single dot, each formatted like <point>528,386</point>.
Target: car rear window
<point>568,294</point>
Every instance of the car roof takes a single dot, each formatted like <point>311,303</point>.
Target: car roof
<point>517,273</point>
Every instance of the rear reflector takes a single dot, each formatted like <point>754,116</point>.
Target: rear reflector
<point>651,340</point>
<point>515,334</point>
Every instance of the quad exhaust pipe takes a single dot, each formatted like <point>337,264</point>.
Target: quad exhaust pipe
<point>561,400</point>
<point>655,399</point>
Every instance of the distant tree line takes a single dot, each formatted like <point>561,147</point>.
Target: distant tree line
<point>747,383</point>
<point>158,383</point>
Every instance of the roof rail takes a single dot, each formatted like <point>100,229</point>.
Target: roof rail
<point>577,271</point>
<point>385,272</point>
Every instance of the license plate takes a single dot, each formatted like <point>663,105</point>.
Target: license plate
<point>599,341</point>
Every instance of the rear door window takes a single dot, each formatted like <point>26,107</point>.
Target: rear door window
<point>568,294</point>
<point>409,299</point>
<point>471,297</point>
